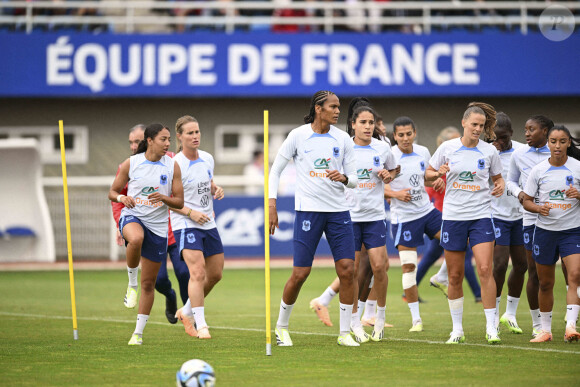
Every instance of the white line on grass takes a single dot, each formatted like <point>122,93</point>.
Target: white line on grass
<point>293,332</point>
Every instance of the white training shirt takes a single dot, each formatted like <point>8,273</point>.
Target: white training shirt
<point>313,154</point>
<point>467,194</point>
<point>507,207</point>
<point>145,178</point>
<point>523,160</point>
<point>369,194</point>
<point>196,176</point>
<point>413,167</point>
<point>550,184</point>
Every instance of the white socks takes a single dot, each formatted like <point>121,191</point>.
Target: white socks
<point>546,318</point>
<point>199,316</point>
<point>359,308</point>
<point>572,315</point>
<point>345,318</point>
<point>380,321</point>
<point>141,322</point>
<point>442,273</point>
<point>497,302</point>
<point>370,309</point>
<point>536,321</point>
<point>355,321</point>
<point>414,308</point>
<point>490,320</point>
<point>327,296</point>
<point>284,316</point>
<point>133,276</point>
<point>512,306</point>
<point>456,309</point>
<point>187,308</point>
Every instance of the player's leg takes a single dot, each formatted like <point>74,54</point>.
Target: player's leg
<point>320,304</point>
<point>470,275</point>
<point>149,271</point>
<point>163,286</point>
<point>533,284</point>
<point>501,256</point>
<point>380,265</point>
<point>546,278</point>
<point>196,264</point>
<point>455,261</point>
<point>572,301</point>
<point>133,234</point>
<point>181,271</point>
<point>515,285</point>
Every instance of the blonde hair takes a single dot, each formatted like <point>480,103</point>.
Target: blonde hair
<point>447,134</point>
<point>488,112</point>
<point>179,128</point>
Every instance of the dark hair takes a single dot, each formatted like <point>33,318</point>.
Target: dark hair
<point>503,122</point>
<point>151,131</point>
<point>488,112</point>
<point>355,103</point>
<point>257,153</point>
<point>317,99</point>
<point>357,111</point>
<point>403,121</point>
<point>574,149</point>
<point>543,121</point>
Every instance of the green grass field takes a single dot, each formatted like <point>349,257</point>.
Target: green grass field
<point>37,346</point>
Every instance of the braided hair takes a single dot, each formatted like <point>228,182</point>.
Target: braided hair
<point>574,149</point>
<point>488,112</point>
<point>317,99</point>
<point>543,121</point>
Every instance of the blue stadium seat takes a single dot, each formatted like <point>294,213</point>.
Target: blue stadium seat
<point>20,231</point>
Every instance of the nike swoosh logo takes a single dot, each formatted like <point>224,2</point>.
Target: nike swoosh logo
<point>284,307</point>
<point>382,236</point>
<point>342,309</point>
<point>577,245</point>
<point>190,180</point>
<point>308,151</point>
<point>489,233</point>
<point>453,162</point>
<point>137,178</point>
<point>524,168</point>
<point>346,222</point>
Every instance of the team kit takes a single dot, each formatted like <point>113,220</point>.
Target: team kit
<point>481,195</point>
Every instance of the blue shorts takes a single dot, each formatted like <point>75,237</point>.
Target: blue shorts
<point>154,247</point>
<point>208,241</point>
<point>508,233</point>
<point>410,234</point>
<point>455,233</point>
<point>372,234</point>
<point>528,236</point>
<point>308,228</point>
<point>549,245</point>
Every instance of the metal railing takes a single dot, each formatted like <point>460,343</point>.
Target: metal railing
<point>424,16</point>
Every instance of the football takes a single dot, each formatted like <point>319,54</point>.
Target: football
<point>194,373</point>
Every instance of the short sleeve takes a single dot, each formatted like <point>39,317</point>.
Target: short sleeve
<point>390,162</point>
<point>288,148</point>
<point>438,158</point>
<point>531,187</point>
<point>496,167</point>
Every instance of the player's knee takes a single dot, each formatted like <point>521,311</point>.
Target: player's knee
<point>484,271</point>
<point>147,285</point>
<point>136,239</point>
<point>455,277</point>
<point>197,275</point>
<point>299,277</point>
<point>410,279</point>
<point>408,260</point>
<point>500,267</point>
<point>215,277</point>
<point>574,276</point>
<point>519,268</point>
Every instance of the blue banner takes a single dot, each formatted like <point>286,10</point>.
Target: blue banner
<point>219,65</point>
<point>240,221</point>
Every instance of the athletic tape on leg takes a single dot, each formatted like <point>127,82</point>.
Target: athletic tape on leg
<point>409,257</point>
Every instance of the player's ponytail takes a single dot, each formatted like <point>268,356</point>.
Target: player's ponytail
<point>317,99</point>
<point>151,131</point>
<point>488,112</point>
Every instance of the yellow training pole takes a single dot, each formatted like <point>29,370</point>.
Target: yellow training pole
<point>68,237</point>
<point>267,236</point>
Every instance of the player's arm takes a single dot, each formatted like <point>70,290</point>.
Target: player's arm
<point>273,182</point>
<point>402,195</point>
<point>217,191</point>
<point>119,183</point>
<point>498,185</point>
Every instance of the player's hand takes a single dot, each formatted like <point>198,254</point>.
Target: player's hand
<point>404,195</point>
<point>273,218</point>
<point>439,185</point>
<point>128,201</point>
<point>334,175</point>
<point>199,217</point>
<point>498,187</point>
<point>573,193</point>
<point>385,176</point>
<point>545,209</point>
<point>521,197</point>
<point>443,169</point>
<point>219,193</point>
<point>120,240</point>
<point>156,197</point>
